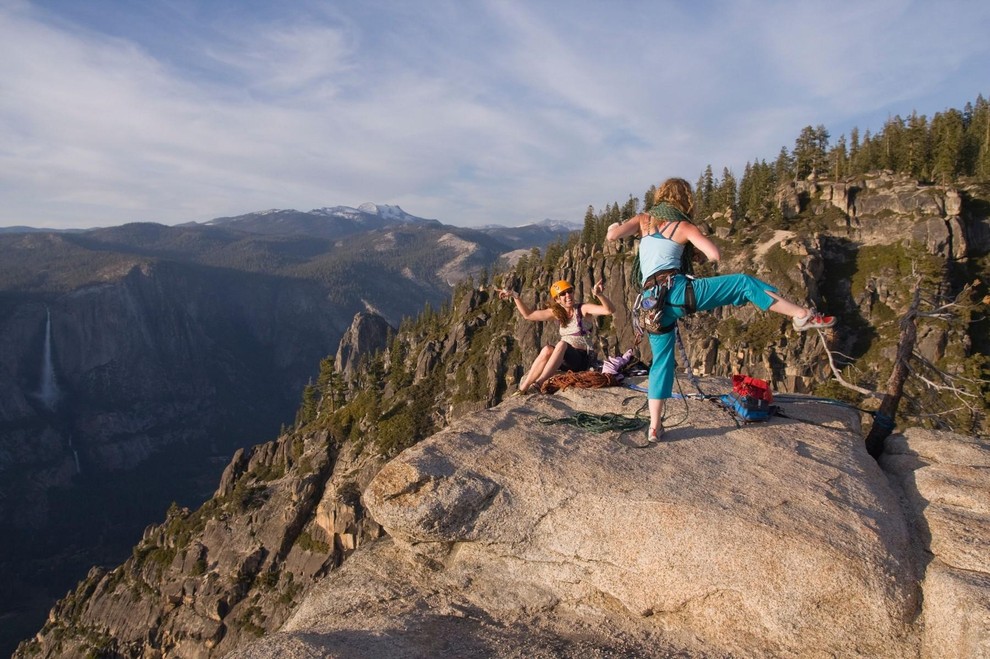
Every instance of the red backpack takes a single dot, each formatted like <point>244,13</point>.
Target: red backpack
<point>755,387</point>
<point>750,399</point>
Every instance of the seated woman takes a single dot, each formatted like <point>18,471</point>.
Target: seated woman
<point>573,351</point>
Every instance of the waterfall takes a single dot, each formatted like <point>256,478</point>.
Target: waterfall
<point>49,389</point>
<point>75,455</point>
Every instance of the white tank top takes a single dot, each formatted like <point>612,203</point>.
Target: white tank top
<point>573,332</point>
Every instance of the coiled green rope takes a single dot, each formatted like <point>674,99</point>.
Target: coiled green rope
<point>599,423</point>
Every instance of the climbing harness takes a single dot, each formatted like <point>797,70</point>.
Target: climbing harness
<point>647,311</point>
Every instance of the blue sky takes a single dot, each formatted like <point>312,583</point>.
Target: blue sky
<point>469,112</point>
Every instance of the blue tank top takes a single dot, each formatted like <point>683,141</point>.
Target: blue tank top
<point>658,252</point>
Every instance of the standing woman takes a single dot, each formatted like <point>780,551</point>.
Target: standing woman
<point>665,229</point>
<point>573,351</point>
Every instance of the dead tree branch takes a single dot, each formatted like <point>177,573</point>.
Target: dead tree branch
<point>838,376</point>
<point>883,420</point>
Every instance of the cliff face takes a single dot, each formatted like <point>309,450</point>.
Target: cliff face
<point>160,356</point>
<point>445,368</point>
<point>204,582</point>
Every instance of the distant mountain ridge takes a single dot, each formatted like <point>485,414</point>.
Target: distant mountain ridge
<point>336,222</point>
<point>327,222</point>
<point>332,219</point>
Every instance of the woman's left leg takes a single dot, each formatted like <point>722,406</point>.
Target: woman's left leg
<point>737,289</point>
<point>546,352</point>
<point>553,363</point>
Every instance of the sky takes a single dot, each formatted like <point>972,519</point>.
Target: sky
<point>468,112</point>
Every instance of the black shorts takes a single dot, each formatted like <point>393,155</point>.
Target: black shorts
<point>576,359</point>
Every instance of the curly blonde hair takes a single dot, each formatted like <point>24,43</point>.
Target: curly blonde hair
<point>559,312</point>
<point>677,193</point>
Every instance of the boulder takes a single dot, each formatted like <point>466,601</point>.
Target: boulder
<point>514,529</point>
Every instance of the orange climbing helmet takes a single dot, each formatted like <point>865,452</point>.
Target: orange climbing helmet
<point>559,288</point>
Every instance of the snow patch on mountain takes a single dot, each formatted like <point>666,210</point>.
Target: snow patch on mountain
<point>361,213</point>
<point>344,212</point>
<point>388,212</point>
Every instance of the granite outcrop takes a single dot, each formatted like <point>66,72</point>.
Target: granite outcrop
<point>514,533</point>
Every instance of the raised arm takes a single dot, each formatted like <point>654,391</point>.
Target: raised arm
<point>699,240</point>
<point>605,308</point>
<point>525,311</point>
<point>618,230</point>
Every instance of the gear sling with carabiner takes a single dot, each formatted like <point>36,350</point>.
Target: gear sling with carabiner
<point>651,301</point>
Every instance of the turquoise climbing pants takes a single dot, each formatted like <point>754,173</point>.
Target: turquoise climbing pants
<point>710,293</point>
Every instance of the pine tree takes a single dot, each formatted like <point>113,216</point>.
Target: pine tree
<point>746,185</point>
<point>307,410</point>
<point>629,209</point>
<point>947,136</point>
<point>703,193</point>
<point>893,153</point>
<point>783,167</point>
<point>853,145</point>
<point>839,158</point>
<point>811,152</point>
<point>978,138</point>
<point>724,197</point>
<point>917,149</point>
<point>338,391</point>
<point>756,191</point>
<point>326,374</point>
<point>648,197</point>
<point>867,156</point>
<point>590,231</point>
<point>612,214</point>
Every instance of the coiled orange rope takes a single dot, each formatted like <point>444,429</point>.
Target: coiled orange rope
<point>580,379</point>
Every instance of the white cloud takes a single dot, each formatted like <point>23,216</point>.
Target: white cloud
<point>293,60</point>
<point>469,113</point>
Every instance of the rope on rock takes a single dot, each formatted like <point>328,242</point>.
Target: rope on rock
<point>580,379</point>
<point>599,423</point>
